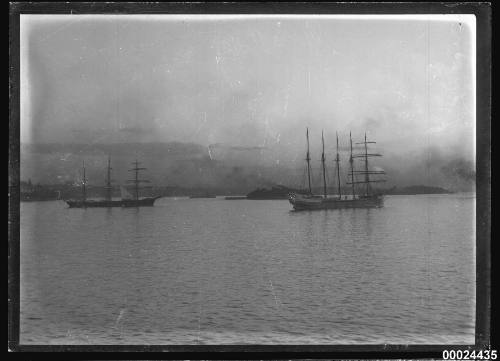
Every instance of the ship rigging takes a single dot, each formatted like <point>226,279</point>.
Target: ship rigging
<point>368,199</point>
<point>107,202</point>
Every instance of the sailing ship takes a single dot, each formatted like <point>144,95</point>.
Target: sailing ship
<point>106,202</point>
<point>133,200</point>
<point>366,199</point>
<point>128,200</point>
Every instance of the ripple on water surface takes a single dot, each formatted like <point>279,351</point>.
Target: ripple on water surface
<point>209,271</point>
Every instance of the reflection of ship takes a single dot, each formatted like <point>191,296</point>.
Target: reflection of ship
<point>276,192</point>
<point>367,199</point>
<point>133,200</point>
<point>84,202</point>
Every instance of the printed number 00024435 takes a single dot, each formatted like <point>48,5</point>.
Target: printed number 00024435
<point>470,355</point>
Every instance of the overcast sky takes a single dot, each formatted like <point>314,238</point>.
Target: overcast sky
<point>249,81</point>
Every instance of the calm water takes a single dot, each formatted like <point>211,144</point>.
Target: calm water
<point>210,271</point>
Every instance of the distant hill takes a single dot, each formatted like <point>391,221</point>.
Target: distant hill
<point>416,190</point>
<point>185,165</point>
<point>237,170</point>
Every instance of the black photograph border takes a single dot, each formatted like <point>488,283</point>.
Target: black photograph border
<point>483,14</point>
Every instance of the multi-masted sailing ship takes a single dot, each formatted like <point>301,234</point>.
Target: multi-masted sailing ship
<point>366,199</point>
<point>135,200</point>
<point>106,202</point>
<point>128,200</point>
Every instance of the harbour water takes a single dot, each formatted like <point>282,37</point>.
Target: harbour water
<point>212,271</point>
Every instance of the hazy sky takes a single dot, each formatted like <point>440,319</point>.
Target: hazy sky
<point>249,81</point>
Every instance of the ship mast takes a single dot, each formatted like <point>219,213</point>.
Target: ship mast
<point>323,164</point>
<point>338,167</point>
<point>136,181</point>
<point>351,161</point>
<point>367,176</point>
<point>109,189</point>
<point>84,181</point>
<point>366,172</point>
<point>308,159</point>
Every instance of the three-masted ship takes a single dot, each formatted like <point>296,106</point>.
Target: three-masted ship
<point>128,200</point>
<point>365,199</point>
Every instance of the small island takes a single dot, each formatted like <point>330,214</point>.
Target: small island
<point>276,192</point>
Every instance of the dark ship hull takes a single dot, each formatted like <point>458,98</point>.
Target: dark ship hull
<point>93,204</point>
<point>143,202</point>
<point>301,202</point>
